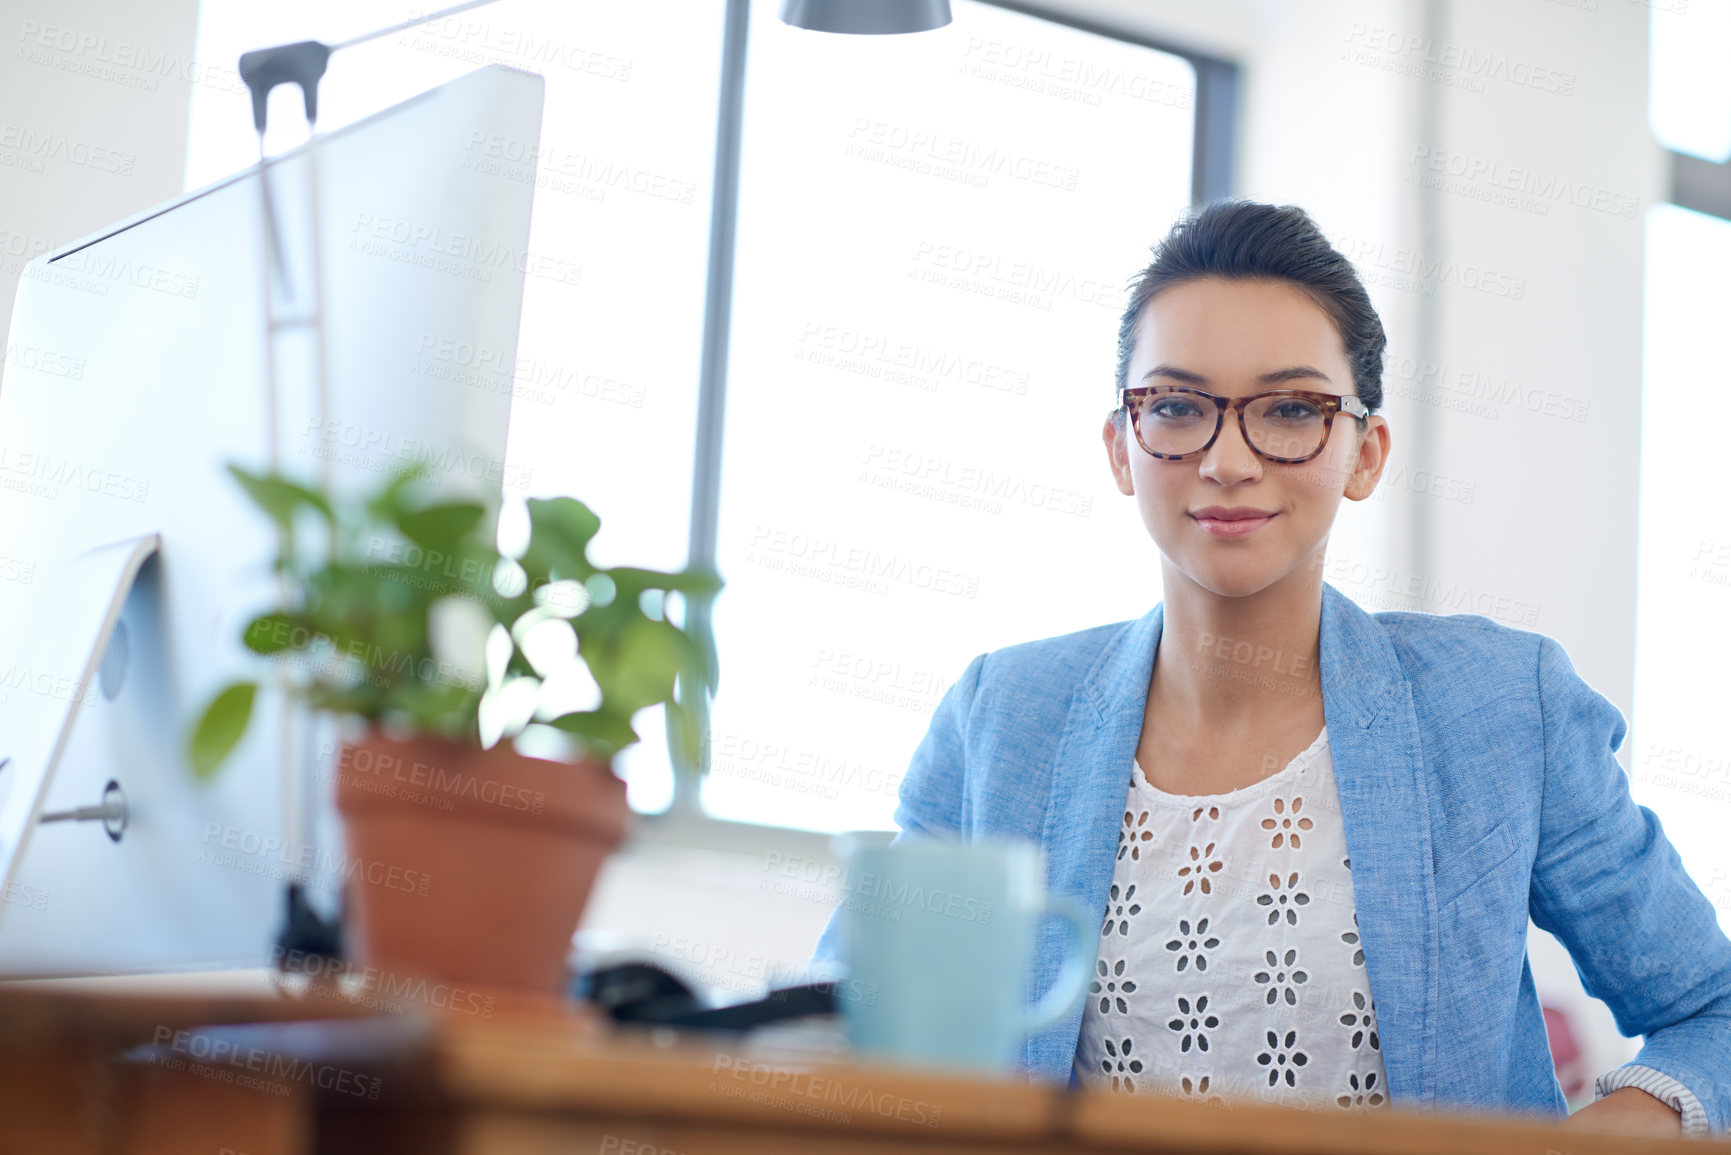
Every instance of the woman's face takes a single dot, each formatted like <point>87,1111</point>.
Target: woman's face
<point>1230,338</point>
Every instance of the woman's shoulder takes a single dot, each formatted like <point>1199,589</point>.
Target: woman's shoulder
<point>1452,663</point>
<point>1458,661</point>
<point>1061,657</point>
<point>1454,642</point>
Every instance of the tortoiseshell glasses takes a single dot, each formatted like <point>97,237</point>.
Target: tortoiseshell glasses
<point>1176,422</point>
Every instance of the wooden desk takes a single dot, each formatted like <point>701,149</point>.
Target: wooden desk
<point>128,1069</point>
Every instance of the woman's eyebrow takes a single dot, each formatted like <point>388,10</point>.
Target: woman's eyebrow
<point>1294,373</point>
<point>1291,373</point>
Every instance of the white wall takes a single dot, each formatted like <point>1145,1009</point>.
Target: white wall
<point>93,106</point>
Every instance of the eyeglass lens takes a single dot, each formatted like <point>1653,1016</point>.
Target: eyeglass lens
<point>1180,423</point>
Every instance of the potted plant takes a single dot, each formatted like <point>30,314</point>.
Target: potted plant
<point>466,861</point>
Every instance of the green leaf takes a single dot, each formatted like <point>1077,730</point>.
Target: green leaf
<point>637,668</point>
<point>363,699</point>
<point>560,529</point>
<point>565,518</point>
<point>360,614</point>
<point>441,528</point>
<point>476,562</point>
<point>387,503</point>
<point>220,730</point>
<point>604,731</point>
<point>697,581</point>
<point>684,730</point>
<point>279,497</point>
<point>349,605</point>
<point>443,708</point>
<point>700,667</point>
<point>273,633</point>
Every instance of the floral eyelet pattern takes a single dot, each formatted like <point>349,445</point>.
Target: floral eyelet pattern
<point>1361,1092</point>
<point>1121,910</point>
<point>1350,938</point>
<point>1118,1052</point>
<point>1193,1023</point>
<point>1230,959</point>
<point>1192,944</point>
<point>1283,1058</point>
<point>1198,1089</point>
<point>1286,823</point>
<point>1134,835</point>
<point>1282,978</point>
<point>1111,987</point>
<point>1361,1021</point>
<point>1197,871</point>
<point>1283,899</point>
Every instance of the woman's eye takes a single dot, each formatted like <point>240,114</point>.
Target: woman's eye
<point>1295,411</point>
<point>1173,410</point>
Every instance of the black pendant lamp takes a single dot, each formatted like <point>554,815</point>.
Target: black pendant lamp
<point>866,17</point>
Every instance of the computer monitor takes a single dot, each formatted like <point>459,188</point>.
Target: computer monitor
<point>131,561</point>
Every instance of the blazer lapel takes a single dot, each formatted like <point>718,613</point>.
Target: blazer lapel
<point>1373,739</point>
<point>1090,778</point>
<point>1378,771</point>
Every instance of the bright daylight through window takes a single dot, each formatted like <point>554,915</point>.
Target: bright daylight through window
<point>931,262</point>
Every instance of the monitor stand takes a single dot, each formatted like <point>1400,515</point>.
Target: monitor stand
<point>72,647</point>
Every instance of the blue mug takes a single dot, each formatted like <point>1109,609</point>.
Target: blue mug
<point>939,935</point>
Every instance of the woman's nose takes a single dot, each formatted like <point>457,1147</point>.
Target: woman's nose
<point>1230,459</point>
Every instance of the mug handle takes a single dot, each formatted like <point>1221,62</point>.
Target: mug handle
<point>1072,983</point>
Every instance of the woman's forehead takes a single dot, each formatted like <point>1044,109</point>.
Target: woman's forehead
<point>1236,329</point>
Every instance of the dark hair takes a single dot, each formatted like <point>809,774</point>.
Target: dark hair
<point>1246,240</point>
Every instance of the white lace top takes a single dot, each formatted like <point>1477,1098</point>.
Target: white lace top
<point>1229,962</point>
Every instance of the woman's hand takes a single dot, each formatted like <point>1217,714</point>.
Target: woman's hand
<point>1629,1110</point>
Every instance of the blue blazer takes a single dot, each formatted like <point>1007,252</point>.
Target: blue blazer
<point>1477,788</point>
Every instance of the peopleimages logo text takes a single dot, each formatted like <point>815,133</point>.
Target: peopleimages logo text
<point>57,146</point>
<point>893,892</point>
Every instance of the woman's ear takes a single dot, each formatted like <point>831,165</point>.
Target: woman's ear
<point>1116,434</point>
<point>1373,447</point>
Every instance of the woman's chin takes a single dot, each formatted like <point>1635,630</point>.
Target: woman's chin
<point>1239,579</point>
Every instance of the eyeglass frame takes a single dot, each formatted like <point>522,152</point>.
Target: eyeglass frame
<point>1330,403</point>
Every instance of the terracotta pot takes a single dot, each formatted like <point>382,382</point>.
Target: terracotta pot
<point>468,866</point>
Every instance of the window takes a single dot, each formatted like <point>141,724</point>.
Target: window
<point>606,365</point>
<point>934,237</point>
<point>1689,88</point>
<point>935,232</point>
<point>1680,759</point>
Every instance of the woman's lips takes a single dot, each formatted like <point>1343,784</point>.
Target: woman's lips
<point>1241,527</point>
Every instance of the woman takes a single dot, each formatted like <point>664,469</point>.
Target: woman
<point>1315,835</point>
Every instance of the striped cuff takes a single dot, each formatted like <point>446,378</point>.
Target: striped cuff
<point>1659,1085</point>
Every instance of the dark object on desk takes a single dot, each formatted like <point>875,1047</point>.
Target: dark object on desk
<point>307,935</point>
<point>638,992</point>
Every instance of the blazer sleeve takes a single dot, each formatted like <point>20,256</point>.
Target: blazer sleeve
<point>1609,884</point>
<point>929,799</point>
